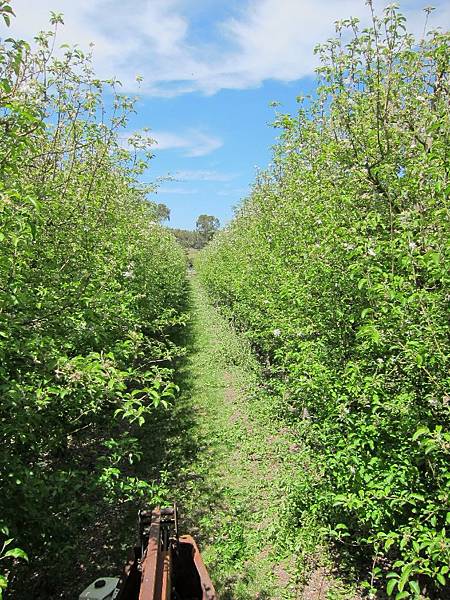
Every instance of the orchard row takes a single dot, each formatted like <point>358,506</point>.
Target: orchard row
<point>336,267</point>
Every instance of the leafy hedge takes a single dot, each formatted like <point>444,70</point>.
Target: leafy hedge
<point>92,290</point>
<point>336,267</point>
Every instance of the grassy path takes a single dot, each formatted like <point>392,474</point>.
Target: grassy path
<point>228,462</point>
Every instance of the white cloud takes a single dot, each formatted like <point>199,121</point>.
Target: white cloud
<point>276,39</point>
<point>265,39</point>
<point>192,143</point>
<point>176,191</point>
<point>202,175</point>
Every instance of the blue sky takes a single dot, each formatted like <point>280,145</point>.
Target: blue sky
<point>210,69</point>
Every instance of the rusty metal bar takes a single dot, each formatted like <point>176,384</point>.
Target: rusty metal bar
<point>207,588</point>
<point>150,560</point>
<point>165,566</point>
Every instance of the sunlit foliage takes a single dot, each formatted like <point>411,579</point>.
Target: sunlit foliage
<point>337,269</point>
<point>92,289</point>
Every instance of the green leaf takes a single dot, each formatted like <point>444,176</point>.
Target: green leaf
<point>389,543</point>
<point>361,283</point>
<point>419,432</point>
<point>390,586</point>
<point>432,258</point>
<point>414,585</point>
<point>16,553</point>
<point>404,577</point>
<point>417,497</point>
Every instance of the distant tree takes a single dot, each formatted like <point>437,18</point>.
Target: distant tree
<point>162,212</point>
<point>186,238</point>
<point>206,227</point>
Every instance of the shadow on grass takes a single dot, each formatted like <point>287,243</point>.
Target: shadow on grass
<point>173,444</point>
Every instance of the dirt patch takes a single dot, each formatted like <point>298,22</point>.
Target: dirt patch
<point>282,576</point>
<point>318,585</point>
<point>231,393</point>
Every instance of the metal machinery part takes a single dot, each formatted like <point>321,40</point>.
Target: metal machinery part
<point>163,566</point>
<point>101,589</point>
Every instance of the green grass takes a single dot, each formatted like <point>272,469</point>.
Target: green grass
<point>232,499</point>
<point>234,489</point>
